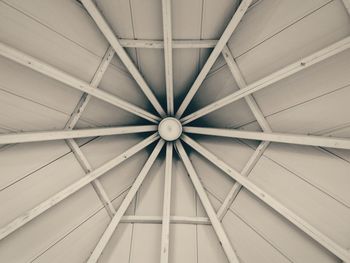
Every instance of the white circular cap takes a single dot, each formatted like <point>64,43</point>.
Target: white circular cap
<point>170,129</point>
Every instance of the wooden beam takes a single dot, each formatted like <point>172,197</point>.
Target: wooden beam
<point>124,57</point>
<point>303,225</point>
<point>287,71</point>
<point>159,44</point>
<point>85,98</point>
<point>311,140</point>
<point>164,251</point>
<point>168,55</point>
<point>186,220</point>
<point>236,18</point>
<point>22,137</point>
<point>71,189</point>
<point>125,204</point>
<point>59,75</point>
<point>347,5</point>
<point>219,230</point>
<point>236,188</point>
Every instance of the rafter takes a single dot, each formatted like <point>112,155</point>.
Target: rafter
<point>22,137</point>
<point>219,230</point>
<point>303,225</point>
<point>311,140</point>
<point>125,204</point>
<point>168,55</point>
<point>124,57</point>
<point>164,252</point>
<point>57,74</point>
<point>71,189</point>
<point>186,220</point>
<point>287,71</point>
<point>236,18</point>
<point>158,44</point>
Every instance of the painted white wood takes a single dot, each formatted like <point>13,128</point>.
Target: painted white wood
<point>180,220</point>
<point>159,44</point>
<point>322,141</point>
<point>347,5</point>
<point>164,251</point>
<point>22,137</point>
<point>219,230</point>
<point>125,204</point>
<point>168,55</point>
<point>307,228</point>
<point>236,18</point>
<point>71,81</point>
<point>58,197</point>
<point>231,196</point>
<point>273,78</point>
<point>124,57</point>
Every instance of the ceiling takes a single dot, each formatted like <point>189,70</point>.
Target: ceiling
<point>64,74</point>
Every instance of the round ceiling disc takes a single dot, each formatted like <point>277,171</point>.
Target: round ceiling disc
<point>170,129</point>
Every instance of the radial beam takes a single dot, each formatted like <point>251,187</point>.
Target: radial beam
<point>158,44</point>
<point>164,252</point>
<point>186,220</point>
<point>124,57</point>
<point>69,134</point>
<point>287,71</point>
<point>214,55</point>
<point>219,230</point>
<point>310,140</point>
<point>72,81</point>
<point>168,55</point>
<point>71,189</point>
<point>231,196</point>
<point>125,204</point>
<point>303,225</point>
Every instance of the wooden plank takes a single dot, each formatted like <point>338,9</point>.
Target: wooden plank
<point>322,141</point>
<point>159,44</point>
<point>22,137</point>
<point>185,220</point>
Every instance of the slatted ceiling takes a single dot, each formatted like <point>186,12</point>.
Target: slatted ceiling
<point>48,227</point>
<point>302,39</point>
<point>310,202</point>
<point>76,26</point>
<point>315,167</point>
<point>38,88</point>
<point>146,241</point>
<point>181,251</point>
<point>33,159</point>
<point>273,228</point>
<point>266,19</point>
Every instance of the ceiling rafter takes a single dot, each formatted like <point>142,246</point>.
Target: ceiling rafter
<point>311,140</point>
<point>159,44</point>
<point>164,249</point>
<point>285,72</point>
<point>120,51</point>
<point>168,55</point>
<point>106,236</point>
<point>76,186</point>
<point>187,220</point>
<point>21,137</point>
<point>218,228</point>
<point>232,25</point>
<point>303,225</point>
<point>57,74</point>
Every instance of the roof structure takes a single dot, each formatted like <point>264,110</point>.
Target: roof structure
<point>174,131</point>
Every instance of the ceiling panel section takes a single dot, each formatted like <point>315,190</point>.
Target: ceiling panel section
<point>182,244</point>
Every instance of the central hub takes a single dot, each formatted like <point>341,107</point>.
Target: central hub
<point>170,129</point>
